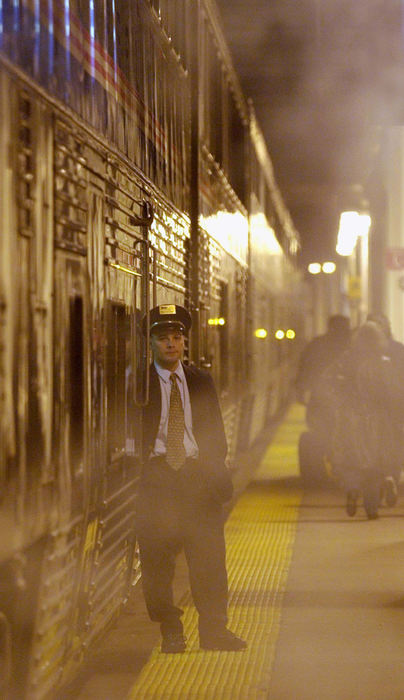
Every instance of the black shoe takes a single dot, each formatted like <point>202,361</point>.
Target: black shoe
<point>391,491</point>
<point>173,643</point>
<point>351,502</point>
<point>372,514</point>
<point>221,640</point>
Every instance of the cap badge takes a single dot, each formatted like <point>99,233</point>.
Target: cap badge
<point>167,309</point>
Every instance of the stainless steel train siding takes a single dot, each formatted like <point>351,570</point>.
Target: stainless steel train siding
<point>120,187</point>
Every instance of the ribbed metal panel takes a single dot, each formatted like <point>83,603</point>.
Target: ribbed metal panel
<point>110,577</point>
<point>55,610</point>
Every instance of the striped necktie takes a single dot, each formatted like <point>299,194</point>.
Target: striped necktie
<point>175,455</point>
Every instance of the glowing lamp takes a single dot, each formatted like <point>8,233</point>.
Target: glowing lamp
<point>351,226</point>
<point>329,267</point>
<point>314,268</point>
<point>260,333</point>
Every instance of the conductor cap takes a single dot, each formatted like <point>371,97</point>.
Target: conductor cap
<point>168,316</point>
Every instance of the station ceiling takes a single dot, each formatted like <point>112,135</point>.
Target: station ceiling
<point>325,77</point>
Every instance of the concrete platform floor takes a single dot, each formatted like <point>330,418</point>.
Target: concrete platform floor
<point>342,627</point>
<point>341,623</point>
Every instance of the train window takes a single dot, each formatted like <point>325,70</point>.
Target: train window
<point>35,428</point>
<point>181,22</point>
<point>216,107</point>
<point>224,336</point>
<point>116,377</point>
<point>181,144</point>
<point>97,22</point>
<point>174,20</point>
<point>76,372</point>
<point>205,87</point>
<point>149,57</point>
<point>82,10</point>
<point>236,149</point>
<point>110,29</point>
<point>279,230</point>
<point>142,149</point>
<point>269,207</point>
<point>168,169</point>
<point>254,173</point>
<point>123,44</point>
<point>156,5</point>
<point>162,106</point>
<point>92,16</point>
<point>137,53</point>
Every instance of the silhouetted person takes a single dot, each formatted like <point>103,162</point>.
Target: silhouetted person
<point>395,350</point>
<point>319,353</point>
<point>317,356</point>
<point>183,485</point>
<point>363,441</point>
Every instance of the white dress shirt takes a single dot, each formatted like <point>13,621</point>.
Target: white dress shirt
<point>191,448</point>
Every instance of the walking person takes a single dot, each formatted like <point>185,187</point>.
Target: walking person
<point>363,444</point>
<point>321,352</point>
<point>311,390</point>
<point>183,485</point>
<point>395,351</point>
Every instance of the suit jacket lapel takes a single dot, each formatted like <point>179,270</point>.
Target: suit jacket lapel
<point>194,397</point>
<point>152,411</point>
<point>192,382</point>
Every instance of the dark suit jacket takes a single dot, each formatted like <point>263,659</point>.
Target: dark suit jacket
<point>207,427</point>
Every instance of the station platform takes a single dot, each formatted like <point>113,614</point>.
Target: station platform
<point>318,596</point>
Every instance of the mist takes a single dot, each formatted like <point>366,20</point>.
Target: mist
<point>323,77</point>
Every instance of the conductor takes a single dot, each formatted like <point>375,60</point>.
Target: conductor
<point>183,485</point>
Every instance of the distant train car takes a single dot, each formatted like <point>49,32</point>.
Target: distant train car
<point>254,285</point>
<point>132,173</point>
<point>276,295</point>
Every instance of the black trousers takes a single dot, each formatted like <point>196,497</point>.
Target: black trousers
<point>176,512</point>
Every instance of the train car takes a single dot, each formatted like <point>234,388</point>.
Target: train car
<point>126,151</point>
<point>251,248</point>
<point>276,294</point>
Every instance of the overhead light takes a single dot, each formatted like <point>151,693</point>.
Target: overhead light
<point>314,268</point>
<point>351,226</point>
<point>290,334</point>
<point>280,334</point>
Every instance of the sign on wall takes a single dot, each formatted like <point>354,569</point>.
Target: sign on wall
<point>395,258</point>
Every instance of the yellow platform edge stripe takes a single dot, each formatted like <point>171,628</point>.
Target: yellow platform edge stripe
<point>260,534</point>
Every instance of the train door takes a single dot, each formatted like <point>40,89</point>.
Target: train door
<point>114,561</point>
<point>123,264</point>
<point>71,379</point>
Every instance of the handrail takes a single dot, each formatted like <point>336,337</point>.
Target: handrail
<point>148,215</point>
<point>154,276</point>
<point>145,221</point>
